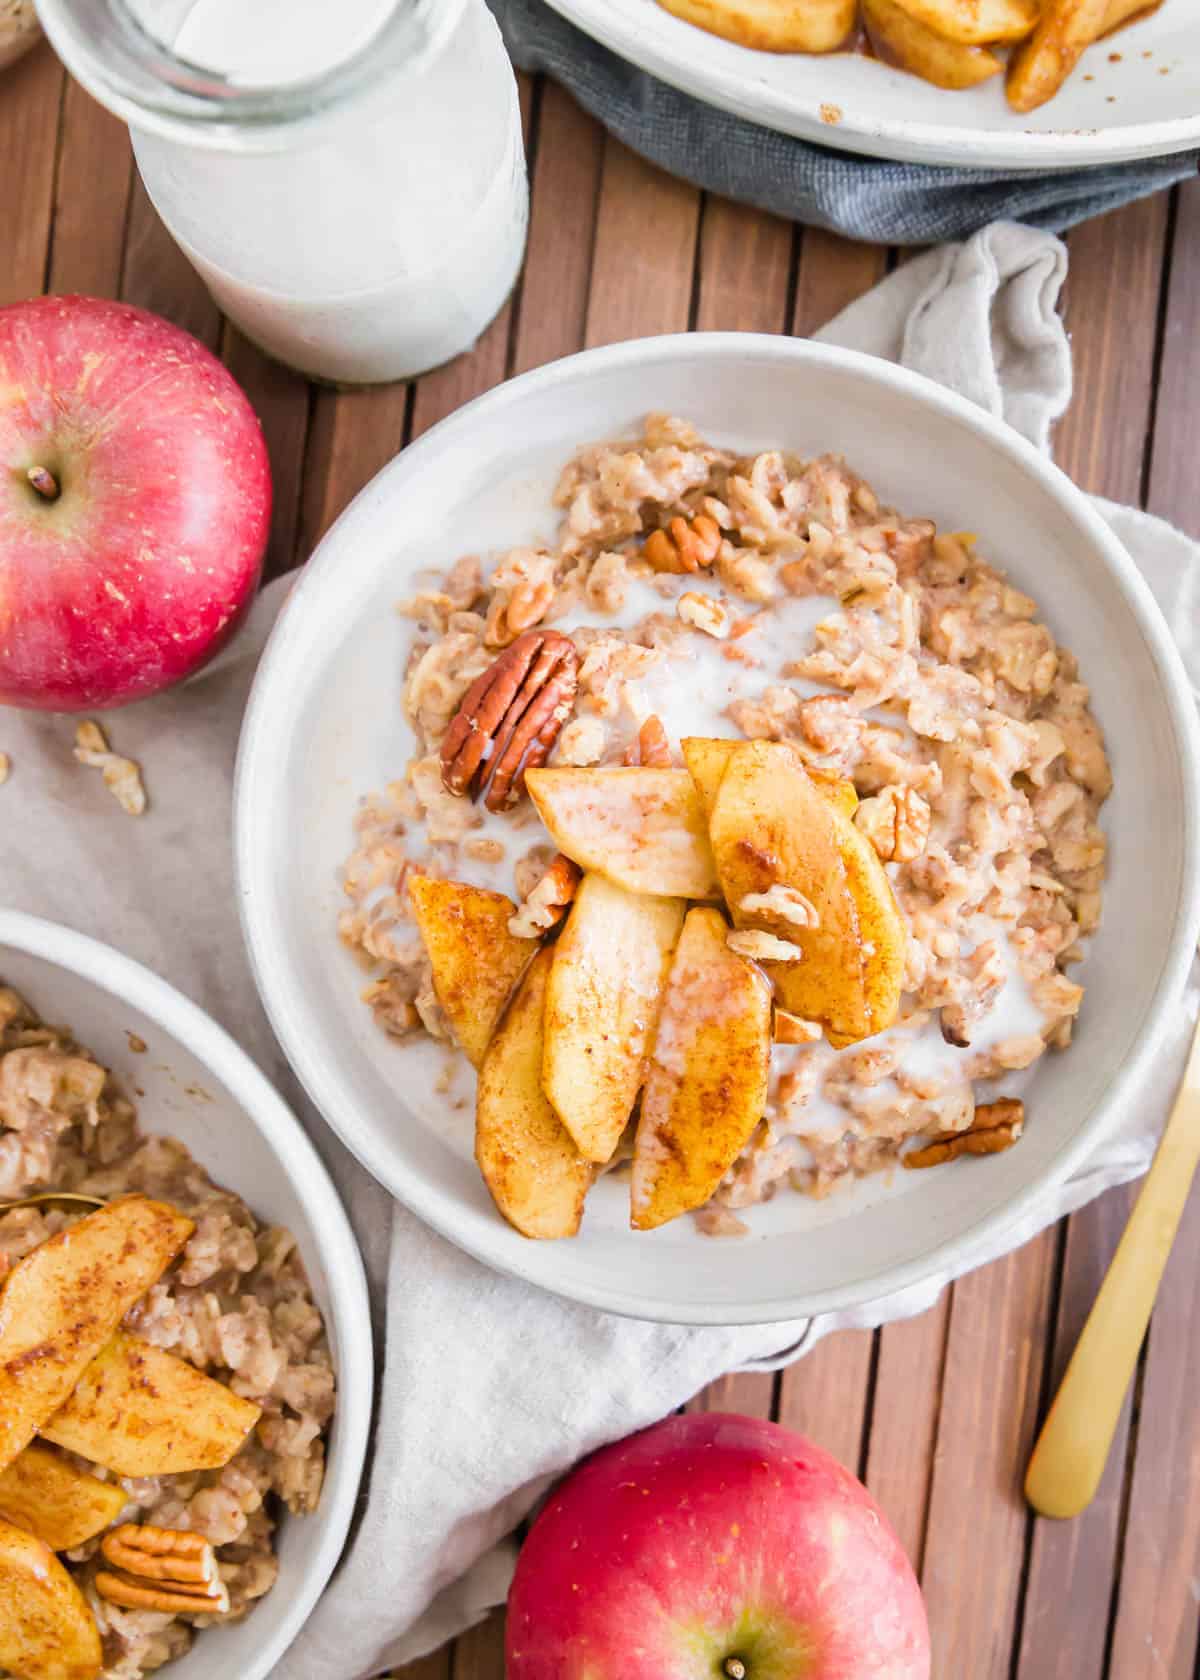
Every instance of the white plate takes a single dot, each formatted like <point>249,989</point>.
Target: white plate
<point>325,725</point>
<point>194,1083</point>
<point>1145,104</point>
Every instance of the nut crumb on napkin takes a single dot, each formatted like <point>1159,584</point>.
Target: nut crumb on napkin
<point>5,767</point>
<point>122,776</point>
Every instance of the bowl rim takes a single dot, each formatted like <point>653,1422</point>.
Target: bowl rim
<point>264,942</point>
<point>132,983</point>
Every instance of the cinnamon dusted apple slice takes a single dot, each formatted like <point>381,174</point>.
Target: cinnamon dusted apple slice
<point>706,758</point>
<point>43,1492</point>
<point>706,1087</point>
<point>793,864</point>
<point>62,1302</point>
<point>140,1411</point>
<point>476,961</point>
<point>47,1631</point>
<point>537,1177</point>
<point>602,1003</point>
<point>642,828</point>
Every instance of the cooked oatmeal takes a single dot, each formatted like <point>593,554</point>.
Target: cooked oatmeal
<point>235,1303</point>
<point>775,598</point>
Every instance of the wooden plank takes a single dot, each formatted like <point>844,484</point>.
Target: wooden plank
<point>158,276</point>
<point>281,400</point>
<point>750,1392</point>
<point>479,1653</point>
<point>565,190</point>
<point>1158,1607</point>
<point>438,1665</point>
<point>352,434</point>
<point>974,1551</point>
<point>30,101</point>
<point>833,272</point>
<point>1112,315</point>
<point>1172,478</point>
<point>1156,1630</point>
<point>745,269</point>
<point>91,199</point>
<point>1072,1564</point>
<point>645,244</point>
<point>904,1421</point>
<point>824,1395</point>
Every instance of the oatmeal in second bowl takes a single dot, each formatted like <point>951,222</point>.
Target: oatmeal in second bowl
<point>188,1374</point>
<point>739,751</point>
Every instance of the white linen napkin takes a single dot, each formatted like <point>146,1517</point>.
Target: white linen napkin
<point>489,1388</point>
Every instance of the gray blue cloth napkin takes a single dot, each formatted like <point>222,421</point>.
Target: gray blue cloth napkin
<point>863,197</point>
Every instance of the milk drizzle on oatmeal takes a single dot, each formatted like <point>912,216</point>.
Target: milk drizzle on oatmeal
<point>883,650</point>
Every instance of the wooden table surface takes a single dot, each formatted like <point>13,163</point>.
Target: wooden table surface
<point>936,1414</point>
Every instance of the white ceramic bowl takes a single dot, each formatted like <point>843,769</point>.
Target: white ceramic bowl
<point>325,725</point>
<point>200,1087</point>
<point>1144,102</point>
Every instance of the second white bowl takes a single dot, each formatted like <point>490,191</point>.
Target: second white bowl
<point>194,1083</point>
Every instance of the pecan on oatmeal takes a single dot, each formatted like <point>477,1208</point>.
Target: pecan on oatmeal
<point>510,718</point>
<point>704,596</point>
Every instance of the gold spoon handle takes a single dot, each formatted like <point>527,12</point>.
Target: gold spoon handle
<point>1072,1449</point>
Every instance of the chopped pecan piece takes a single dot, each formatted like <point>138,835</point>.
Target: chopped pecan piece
<point>685,546</point>
<point>995,1128</point>
<point>166,1569</point>
<point>510,718</point>
<point>651,747</point>
<point>549,901</point>
<point>761,946</point>
<point>896,822</point>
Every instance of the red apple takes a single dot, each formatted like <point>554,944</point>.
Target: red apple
<point>713,1547</point>
<point>135,498</point>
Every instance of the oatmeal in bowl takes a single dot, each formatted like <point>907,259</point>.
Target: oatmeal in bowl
<point>170,1378</point>
<point>325,801</point>
<point>750,843</point>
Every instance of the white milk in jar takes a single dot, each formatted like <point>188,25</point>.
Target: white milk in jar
<point>348,176</point>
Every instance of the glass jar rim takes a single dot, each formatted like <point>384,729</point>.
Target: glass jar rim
<point>139,79</point>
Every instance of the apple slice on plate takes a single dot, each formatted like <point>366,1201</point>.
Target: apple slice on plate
<point>642,827</point>
<point>476,961</point>
<point>537,1177</point>
<point>602,1004</point>
<point>706,1087</point>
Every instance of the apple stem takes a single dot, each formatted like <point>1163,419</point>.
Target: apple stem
<point>44,482</point>
<point>735,1668</point>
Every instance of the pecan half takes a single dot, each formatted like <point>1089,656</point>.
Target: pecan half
<point>510,718</point>
<point>168,1569</point>
<point>995,1128</point>
<point>129,1593</point>
<point>161,1554</point>
<point>685,546</point>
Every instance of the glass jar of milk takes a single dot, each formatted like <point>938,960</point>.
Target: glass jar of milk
<point>348,176</point>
